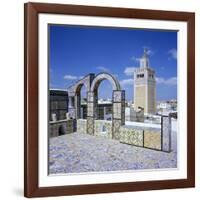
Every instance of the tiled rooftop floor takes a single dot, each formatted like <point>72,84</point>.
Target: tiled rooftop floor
<point>74,153</point>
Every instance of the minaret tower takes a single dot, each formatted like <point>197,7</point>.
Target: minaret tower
<point>145,86</point>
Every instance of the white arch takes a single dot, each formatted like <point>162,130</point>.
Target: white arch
<point>105,76</point>
<point>79,86</point>
<point>86,81</point>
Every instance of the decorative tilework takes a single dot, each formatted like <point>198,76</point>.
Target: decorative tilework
<point>117,110</point>
<point>81,126</point>
<point>90,125</point>
<point>90,109</point>
<point>131,136</point>
<point>166,133</point>
<point>116,127</point>
<point>103,128</point>
<point>119,105</point>
<point>117,96</point>
<point>152,139</point>
<point>123,113</point>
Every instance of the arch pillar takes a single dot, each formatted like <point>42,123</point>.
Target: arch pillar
<point>77,106</point>
<point>118,115</point>
<point>74,94</point>
<point>91,109</point>
<point>71,107</point>
<point>118,104</point>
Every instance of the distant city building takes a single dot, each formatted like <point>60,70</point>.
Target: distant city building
<point>166,107</point>
<point>58,107</point>
<point>173,103</point>
<point>134,115</point>
<point>145,86</point>
<point>104,110</point>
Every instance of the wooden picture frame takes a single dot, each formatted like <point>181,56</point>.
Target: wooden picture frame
<point>31,104</point>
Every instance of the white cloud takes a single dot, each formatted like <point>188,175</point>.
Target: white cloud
<point>160,80</point>
<point>102,68</point>
<point>126,82</point>
<point>70,77</point>
<point>135,59</point>
<point>129,71</point>
<point>172,54</point>
<point>170,81</point>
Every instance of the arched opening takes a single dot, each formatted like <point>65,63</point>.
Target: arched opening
<point>61,130</point>
<point>117,105</point>
<point>81,101</point>
<point>104,100</point>
<point>103,108</point>
<point>103,86</point>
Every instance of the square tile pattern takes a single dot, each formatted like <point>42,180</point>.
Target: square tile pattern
<point>166,133</point>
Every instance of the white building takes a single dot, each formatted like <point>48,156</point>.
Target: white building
<point>134,115</point>
<point>166,107</point>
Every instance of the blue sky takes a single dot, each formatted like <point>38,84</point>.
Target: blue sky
<point>77,50</point>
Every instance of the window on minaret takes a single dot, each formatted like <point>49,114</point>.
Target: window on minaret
<point>150,75</point>
<point>140,76</point>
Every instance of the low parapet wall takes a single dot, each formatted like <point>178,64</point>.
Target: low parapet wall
<point>142,137</point>
<point>103,128</point>
<point>158,138</point>
<point>131,135</point>
<point>61,127</point>
<point>82,126</point>
<point>150,136</point>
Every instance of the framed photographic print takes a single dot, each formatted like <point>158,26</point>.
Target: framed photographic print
<point>109,99</point>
